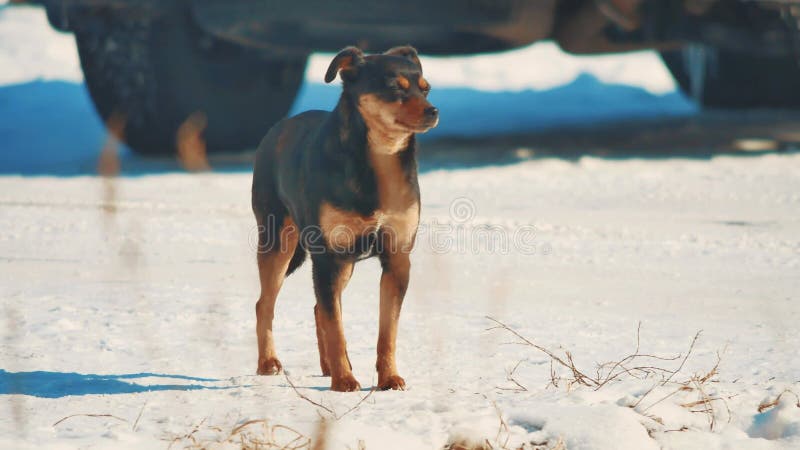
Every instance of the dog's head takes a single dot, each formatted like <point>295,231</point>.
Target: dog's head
<point>388,88</point>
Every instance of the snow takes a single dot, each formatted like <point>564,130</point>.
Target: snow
<point>541,66</point>
<point>586,427</point>
<point>164,288</point>
<point>781,422</point>
<point>38,51</point>
<point>132,299</point>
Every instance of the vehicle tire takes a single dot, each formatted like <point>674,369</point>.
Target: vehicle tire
<point>155,73</point>
<point>735,80</point>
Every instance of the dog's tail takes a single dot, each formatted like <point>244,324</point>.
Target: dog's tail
<point>297,260</point>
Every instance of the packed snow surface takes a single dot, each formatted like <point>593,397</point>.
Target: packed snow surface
<point>136,296</point>
<point>128,303</point>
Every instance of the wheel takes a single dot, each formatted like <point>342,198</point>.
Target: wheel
<point>724,79</point>
<point>156,72</point>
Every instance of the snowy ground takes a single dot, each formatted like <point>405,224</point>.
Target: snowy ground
<point>133,297</point>
<point>165,283</point>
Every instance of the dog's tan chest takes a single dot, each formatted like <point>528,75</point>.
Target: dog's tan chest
<point>397,215</point>
<point>341,228</point>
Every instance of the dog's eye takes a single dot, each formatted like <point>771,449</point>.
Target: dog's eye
<point>403,82</point>
<point>398,84</point>
<point>423,85</point>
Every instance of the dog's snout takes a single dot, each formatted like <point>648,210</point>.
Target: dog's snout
<point>432,111</point>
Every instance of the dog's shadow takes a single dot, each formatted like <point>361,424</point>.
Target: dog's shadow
<point>61,384</point>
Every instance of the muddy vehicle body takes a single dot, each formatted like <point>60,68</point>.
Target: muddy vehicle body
<point>239,63</point>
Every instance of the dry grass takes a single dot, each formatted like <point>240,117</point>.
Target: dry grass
<point>767,405</point>
<point>256,434</point>
<point>260,434</point>
<point>462,444</point>
<point>108,163</point>
<point>636,365</point>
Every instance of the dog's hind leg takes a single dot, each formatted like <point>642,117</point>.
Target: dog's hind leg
<point>276,246</point>
<point>323,352</point>
<point>331,275</point>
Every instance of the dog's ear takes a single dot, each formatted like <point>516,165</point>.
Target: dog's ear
<point>406,51</point>
<point>347,61</point>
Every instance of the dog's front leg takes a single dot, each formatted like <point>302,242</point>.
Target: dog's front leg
<point>331,275</point>
<point>394,282</point>
<point>323,352</point>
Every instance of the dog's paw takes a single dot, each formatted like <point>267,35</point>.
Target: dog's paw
<point>347,383</point>
<point>393,382</point>
<point>270,366</point>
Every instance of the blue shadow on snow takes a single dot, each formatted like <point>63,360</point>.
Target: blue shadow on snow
<point>51,128</point>
<point>61,384</point>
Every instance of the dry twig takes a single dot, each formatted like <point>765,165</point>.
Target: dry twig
<point>631,365</point>
<point>136,422</point>
<point>671,374</point>
<point>304,397</point>
<point>90,415</point>
<point>330,411</point>
<point>771,404</point>
<point>510,378</point>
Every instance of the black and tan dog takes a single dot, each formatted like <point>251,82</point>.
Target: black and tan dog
<point>342,186</point>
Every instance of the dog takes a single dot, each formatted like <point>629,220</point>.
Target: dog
<point>342,186</point>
